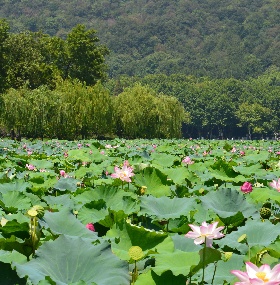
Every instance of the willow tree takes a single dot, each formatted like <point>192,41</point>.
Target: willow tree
<point>26,111</point>
<point>81,110</point>
<point>142,113</point>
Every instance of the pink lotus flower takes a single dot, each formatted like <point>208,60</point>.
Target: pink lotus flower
<point>30,167</point>
<point>233,150</point>
<point>242,153</point>
<point>246,187</point>
<point>123,173</point>
<point>187,160</point>
<point>90,226</point>
<point>62,173</point>
<point>275,184</point>
<point>258,276</point>
<point>205,233</point>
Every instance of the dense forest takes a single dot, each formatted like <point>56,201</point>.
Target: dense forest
<point>219,39</point>
<point>140,68</point>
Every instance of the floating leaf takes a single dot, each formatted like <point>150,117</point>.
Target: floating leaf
<point>71,259</point>
<point>154,180</point>
<point>64,184</point>
<point>165,208</point>
<point>66,223</point>
<point>167,278</point>
<point>131,235</point>
<point>179,262</point>
<point>13,201</point>
<point>227,203</point>
<point>257,233</point>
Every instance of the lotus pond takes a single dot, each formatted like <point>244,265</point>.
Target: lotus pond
<point>143,212</point>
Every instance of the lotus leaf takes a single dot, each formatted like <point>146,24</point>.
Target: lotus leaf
<point>154,180</point>
<point>71,259</point>
<point>165,208</point>
<point>131,235</point>
<point>227,203</point>
<point>66,223</point>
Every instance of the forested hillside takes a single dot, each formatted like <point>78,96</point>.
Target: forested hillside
<point>219,39</point>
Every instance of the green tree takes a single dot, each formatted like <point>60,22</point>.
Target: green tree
<point>254,117</point>
<point>85,59</point>
<point>26,60</point>
<point>4,28</point>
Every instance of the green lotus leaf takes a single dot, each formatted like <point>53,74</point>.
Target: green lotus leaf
<point>154,180</point>
<point>115,198</point>
<point>274,249</point>
<point>249,170</point>
<point>179,262</point>
<point>12,201</point>
<point>163,159</point>
<point>164,208</point>
<point>71,259</point>
<point>66,223</point>
<point>16,244</point>
<point>42,181</point>
<point>68,183</point>
<point>10,256</point>
<point>208,255</point>
<point>167,278</point>
<point>200,215</point>
<point>42,164</point>
<point>179,174</point>
<point>264,194</point>
<point>84,155</point>
<point>94,212</point>
<point>18,185</point>
<point>222,170</point>
<point>35,200</point>
<point>184,244</point>
<point>94,170</point>
<point>234,220</point>
<point>255,157</point>
<point>257,233</point>
<point>60,202</point>
<point>204,175</point>
<point>222,273</point>
<point>14,228</point>
<point>131,235</point>
<point>227,203</point>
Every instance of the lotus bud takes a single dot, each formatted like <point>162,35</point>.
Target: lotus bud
<point>3,222</point>
<point>143,190</point>
<point>39,209</point>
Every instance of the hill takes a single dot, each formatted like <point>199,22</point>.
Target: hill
<point>215,38</point>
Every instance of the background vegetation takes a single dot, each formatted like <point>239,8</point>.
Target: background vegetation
<point>154,68</point>
<point>220,39</point>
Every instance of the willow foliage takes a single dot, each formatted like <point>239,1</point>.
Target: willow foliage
<point>140,112</point>
<point>70,111</point>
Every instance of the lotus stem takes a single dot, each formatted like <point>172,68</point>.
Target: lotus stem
<point>215,264</point>
<point>203,261</point>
